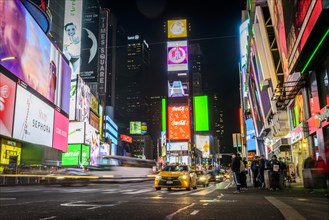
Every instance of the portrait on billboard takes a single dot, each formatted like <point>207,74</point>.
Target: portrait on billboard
<point>83,101</point>
<point>30,55</point>
<point>71,48</point>
<point>7,101</point>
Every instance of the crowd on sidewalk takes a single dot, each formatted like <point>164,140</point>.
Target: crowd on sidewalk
<point>272,174</point>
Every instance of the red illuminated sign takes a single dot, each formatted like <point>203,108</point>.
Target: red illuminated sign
<point>179,122</point>
<point>319,120</point>
<point>126,138</point>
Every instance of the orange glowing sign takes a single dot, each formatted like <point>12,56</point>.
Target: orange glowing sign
<point>179,122</point>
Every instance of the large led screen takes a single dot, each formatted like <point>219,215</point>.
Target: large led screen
<point>201,119</point>
<point>203,144</point>
<point>7,101</point>
<point>135,127</point>
<point>83,101</point>
<point>92,139</point>
<point>177,88</point>
<point>72,34</point>
<point>9,148</point>
<point>251,136</point>
<point>179,122</point>
<point>72,156</point>
<point>177,28</point>
<point>244,32</point>
<point>76,132</point>
<point>85,155</point>
<point>61,129</point>
<point>73,100</point>
<point>33,120</point>
<point>177,55</point>
<point>31,56</point>
<point>177,146</point>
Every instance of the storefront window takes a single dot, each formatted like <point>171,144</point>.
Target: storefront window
<point>323,85</point>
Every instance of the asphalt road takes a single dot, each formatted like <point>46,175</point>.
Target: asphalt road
<point>141,201</point>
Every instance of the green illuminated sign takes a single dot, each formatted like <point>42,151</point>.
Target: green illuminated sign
<point>71,157</point>
<point>85,155</point>
<point>135,127</point>
<point>164,114</point>
<point>201,119</point>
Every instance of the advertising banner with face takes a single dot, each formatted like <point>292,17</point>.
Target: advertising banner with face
<point>31,56</point>
<point>92,139</point>
<point>7,101</point>
<point>83,101</point>
<point>34,119</point>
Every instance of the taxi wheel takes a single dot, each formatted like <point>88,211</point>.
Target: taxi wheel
<point>158,188</point>
<point>169,188</point>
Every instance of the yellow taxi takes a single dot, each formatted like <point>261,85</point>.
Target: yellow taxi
<point>176,176</point>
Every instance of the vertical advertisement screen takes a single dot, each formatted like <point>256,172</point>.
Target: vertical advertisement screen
<point>92,139</point>
<point>201,120</point>
<point>251,136</point>
<point>61,129</point>
<point>179,122</point>
<point>202,143</point>
<point>177,55</point>
<point>135,127</point>
<point>72,34</point>
<point>7,101</point>
<point>34,119</point>
<point>10,148</point>
<point>31,56</point>
<point>83,101</point>
<point>76,132</point>
<point>85,154</point>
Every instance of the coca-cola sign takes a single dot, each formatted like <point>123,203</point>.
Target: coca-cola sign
<point>179,122</point>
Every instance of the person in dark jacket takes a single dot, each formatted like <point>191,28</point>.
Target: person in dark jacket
<point>275,169</point>
<point>235,166</point>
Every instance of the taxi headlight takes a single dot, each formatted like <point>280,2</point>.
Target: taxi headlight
<point>184,177</point>
<point>157,177</point>
<point>203,178</point>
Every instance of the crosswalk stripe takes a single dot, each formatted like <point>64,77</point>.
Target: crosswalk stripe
<point>203,192</point>
<point>139,191</point>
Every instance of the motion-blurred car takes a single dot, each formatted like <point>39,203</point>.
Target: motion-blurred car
<point>176,176</point>
<point>202,178</point>
<point>70,176</point>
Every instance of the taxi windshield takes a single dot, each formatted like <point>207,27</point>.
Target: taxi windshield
<point>175,168</point>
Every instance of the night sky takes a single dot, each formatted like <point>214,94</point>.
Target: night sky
<point>215,28</point>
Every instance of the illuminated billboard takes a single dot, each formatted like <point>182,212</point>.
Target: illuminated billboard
<point>126,138</point>
<point>179,122</point>
<point>135,127</point>
<point>72,34</point>
<point>203,144</point>
<point>76,132</point>
<point>201,119</point>
<point>177,146</point>
<point>244,32</point>
<point>31,55</point>
<point>163,114</point>
<point>61,129</point>
<point>73,99</point>
<point>251,136</point>
<point>7,101</point>
<point>9,148</point>
<point>177,28</point>
<point>92,139</point>
<point>177,55</point>
<point>177,88</point>
<point>33,120</point>
<point>82,101</point>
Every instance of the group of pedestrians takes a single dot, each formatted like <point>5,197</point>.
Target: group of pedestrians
<point>258,167</point>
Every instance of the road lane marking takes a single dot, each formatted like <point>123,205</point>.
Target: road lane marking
<point>139,191</point>
<point>203,192</point>
<point>51,217</point>
<point>194,212</point>
<point>95,207</point>
<point>3,199</point>
<point>205,203</point>
<point>287,211</point>
<point>169,217</point>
